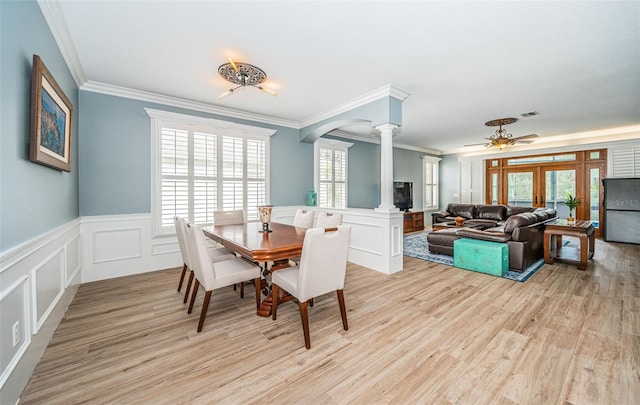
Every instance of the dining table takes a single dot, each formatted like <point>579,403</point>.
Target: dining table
<point>270,250</point>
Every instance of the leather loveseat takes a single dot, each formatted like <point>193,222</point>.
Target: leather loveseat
<point>522,231</point>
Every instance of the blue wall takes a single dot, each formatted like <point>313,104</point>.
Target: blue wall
<point>115,160</point>
<point>449,180</point>
<point>33,198</point>
<point>115,156</point>
<point>364,175</point>
<point>407,166</point>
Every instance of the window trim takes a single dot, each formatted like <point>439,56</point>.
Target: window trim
<point>333,144</point>
<point>224,128</point>
<point>426,159</point>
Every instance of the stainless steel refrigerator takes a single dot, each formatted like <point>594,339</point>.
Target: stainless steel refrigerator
<point>622,210</point>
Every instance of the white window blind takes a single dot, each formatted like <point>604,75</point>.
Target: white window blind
<point>331,167</point>
<point>200,169</point>
<point>430,176</point>
<point>626,161</point>
<point>471,180</point>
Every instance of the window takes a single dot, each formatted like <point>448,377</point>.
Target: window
<point>330,172</point>
<point>204,165</point>
<point>430,167</point>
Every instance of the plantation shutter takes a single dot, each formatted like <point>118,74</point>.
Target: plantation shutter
<point>340,178</point>
<point>202,165</point>
<point>174,194</point>
<point>205,190</point>
<point>256,176</point>
<point>332,176</point>
<point>471,180</point>
<point>431,182</point>
<point>626,161</point>
<point>232,173</point>
<point>325,192</point>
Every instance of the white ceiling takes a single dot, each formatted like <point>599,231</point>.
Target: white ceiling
<point>463,63</point>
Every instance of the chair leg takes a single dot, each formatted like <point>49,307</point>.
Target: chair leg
<point>186,293</point>
<point>184,271</point>
<point>242,290</point>
<point>274,300</point>
<point>304,314</point>
<point>343,309</point>
<point>311,302</point>
<point>258,295</point>
<point>196,286</point>
<point>205,307</point>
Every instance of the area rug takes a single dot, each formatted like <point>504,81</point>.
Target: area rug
<point>415,245</point>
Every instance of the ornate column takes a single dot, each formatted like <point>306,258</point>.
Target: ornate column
<point>386,168</point>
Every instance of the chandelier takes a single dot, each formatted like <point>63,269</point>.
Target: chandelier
<point>243,75</point>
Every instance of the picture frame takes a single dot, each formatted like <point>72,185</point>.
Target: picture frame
<point>51,120</point>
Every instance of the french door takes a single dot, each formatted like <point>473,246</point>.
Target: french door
<point>545,180</point>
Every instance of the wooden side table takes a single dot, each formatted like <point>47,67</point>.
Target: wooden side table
<point>553,249</point>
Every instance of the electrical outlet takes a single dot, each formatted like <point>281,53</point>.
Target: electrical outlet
<point>16,333</point>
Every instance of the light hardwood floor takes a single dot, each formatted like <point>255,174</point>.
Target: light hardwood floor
<point>430,334</point>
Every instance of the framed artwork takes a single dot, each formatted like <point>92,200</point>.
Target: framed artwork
<point>51,113</point>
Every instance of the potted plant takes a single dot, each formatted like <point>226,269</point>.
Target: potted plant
<point>571,203</point>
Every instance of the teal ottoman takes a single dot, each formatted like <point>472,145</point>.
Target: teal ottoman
<point>481,256</point>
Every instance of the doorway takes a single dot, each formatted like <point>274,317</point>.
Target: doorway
<point>544,181</point>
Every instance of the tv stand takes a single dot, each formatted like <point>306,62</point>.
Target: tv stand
<point>413,221</point>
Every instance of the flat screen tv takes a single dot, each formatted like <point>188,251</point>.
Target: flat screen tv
<point>403,195</point>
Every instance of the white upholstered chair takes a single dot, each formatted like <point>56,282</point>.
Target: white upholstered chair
<point>303,219</point>
<point>212,275</point>
<point>328,220</point>
<point>215,254</point>
<point>228,217</point>
<point>322,269</point>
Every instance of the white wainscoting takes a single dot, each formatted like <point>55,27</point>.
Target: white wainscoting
<point>38,280</point>
<point>376,238</point>
<point>121,245</point>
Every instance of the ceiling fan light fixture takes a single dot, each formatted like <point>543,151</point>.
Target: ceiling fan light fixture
<point>501,139</point>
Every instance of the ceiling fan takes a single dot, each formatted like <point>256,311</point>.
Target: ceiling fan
<point>243,74</point>
<point>502,138</point>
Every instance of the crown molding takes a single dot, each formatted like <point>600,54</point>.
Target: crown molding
<point>376,140</point>
<point>118,91</point>
<point>58,27</point>
<point>388,90</point>
<point>211,122</point>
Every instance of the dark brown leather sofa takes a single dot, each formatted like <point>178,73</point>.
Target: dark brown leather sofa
<point>522,228</point>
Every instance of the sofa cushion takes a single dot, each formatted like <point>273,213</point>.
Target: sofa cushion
<point>496,212</point>
<point>484,235</point>
<point>480,223</point>
<point>462,210</point>
<point>514,209</point>
<point>523,219</point>
<point>546,213</point>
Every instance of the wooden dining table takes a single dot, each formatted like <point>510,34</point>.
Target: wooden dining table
<point>270,250</point>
